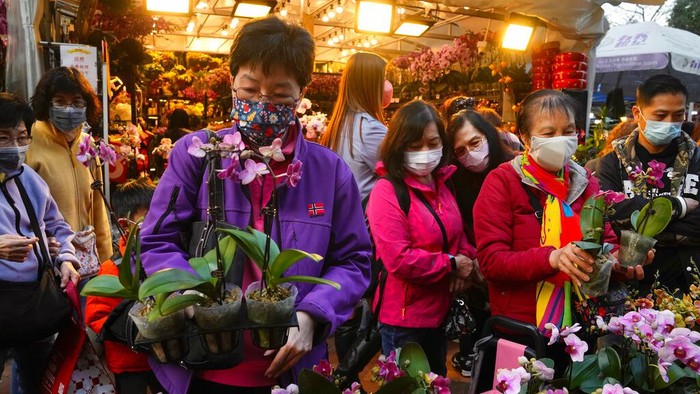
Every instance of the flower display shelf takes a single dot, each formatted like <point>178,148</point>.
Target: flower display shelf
<point>175,348</point>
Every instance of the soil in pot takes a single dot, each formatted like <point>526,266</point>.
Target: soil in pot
<point>211,316</point>
<point>270,307</point>
<point>158,328</point>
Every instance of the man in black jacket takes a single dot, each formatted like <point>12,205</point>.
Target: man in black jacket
<point>660,111</point>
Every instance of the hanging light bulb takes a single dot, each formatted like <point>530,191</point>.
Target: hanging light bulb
<point>344,52</point>
<point>331,13</point>
<point>365,43</point>
<point>330,41</point>
<point>401,10</point>
<point>339,8</point>
<point>283,11</point>
<point>341,36</point>
<point>201,5</point>
<point>373,41</point>
<point>224,30</point>
<point>190,26</point>
<point>234,23</point>
<point>325,17</point>
<point>353,50</point>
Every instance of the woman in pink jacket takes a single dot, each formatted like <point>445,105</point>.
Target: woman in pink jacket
<point>418,233</point>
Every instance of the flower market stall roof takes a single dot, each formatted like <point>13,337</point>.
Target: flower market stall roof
<point>211,28</point>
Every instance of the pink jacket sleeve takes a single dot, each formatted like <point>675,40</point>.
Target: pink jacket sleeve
<point>390,232</point>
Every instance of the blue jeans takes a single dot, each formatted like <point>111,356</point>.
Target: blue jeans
<point>432,340</point>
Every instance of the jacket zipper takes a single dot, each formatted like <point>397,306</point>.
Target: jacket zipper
<point>405,299</point>
<point>171,206</point>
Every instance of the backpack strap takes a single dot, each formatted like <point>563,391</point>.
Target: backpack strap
<point>402,194</point>
<point>534,202</point>
<point>445,245</point>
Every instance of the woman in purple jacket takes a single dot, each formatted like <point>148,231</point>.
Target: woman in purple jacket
<point>271,61</point>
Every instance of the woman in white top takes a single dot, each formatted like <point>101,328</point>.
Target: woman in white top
<point>356,128</point>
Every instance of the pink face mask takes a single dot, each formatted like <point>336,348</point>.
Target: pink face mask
<point>387,94</point>
<point>476,160</point>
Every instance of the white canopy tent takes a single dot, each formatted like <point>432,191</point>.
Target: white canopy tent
<point>629,54</point>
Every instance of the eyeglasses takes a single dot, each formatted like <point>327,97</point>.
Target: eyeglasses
<point>58,103</point>
<point>257,96</point>
<point>21,141</point>
<point>471,146</point>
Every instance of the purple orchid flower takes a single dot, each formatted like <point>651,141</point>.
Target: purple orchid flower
<point>252,171</point>
<point>509,381</point>
<point>274,151</point>
<point>232,142</point>
<point>611,197</point>
<point>85,151</point>
<point>355,388</point>
<point>615,326</point>
<point>324,369</point>
<point>440,385</point>
<point>665,321</point>
<point>630,320</point>
<point>663,369</point>
<point>293,174</point>
<point>557,391</point>
<point>107,153</point>
<point>388,369</point>
<point>231,172</point>
<point>694,363</point>
<point>575,347</point>
<point>694,336</point>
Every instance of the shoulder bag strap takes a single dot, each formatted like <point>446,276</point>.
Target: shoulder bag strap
<point>534,202</point>
<point>421,197</point>
<point>43,255</point>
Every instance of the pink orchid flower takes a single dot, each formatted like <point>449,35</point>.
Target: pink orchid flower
<point>291,389</point>
<point>678,348</point>
<point>575,347</point>
<point>274,151</point>
<point>293,174</point>
<point>665,321</point>
<point>355,388</point>
<point>570,330</point>
<point>304,105</point>
<point>544,371</point>
<point>440,385</point>
<point>611,197</point>
<point>554,336</point>
<point>663,369</point>
<point>694,363</point>
<point>694,336</point>
<point>323,368</point>
<point>388,369</point>
<point>252,171</point>
<point>557,391</point>
<point>231,172</point>
<point>617,389</point>
<point>198,148</point>
<point>509,381</point>
<point>85,151</point>
<point>232,142</point>
<point>107,153</point>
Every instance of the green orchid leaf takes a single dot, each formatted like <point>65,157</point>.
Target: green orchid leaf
<point>591,247</point>
<point>654,217</point>
<point>592,384</point>
<point>261,239</point>
<point>402,385</point>
<point>304,279</point>
<point>227,246</point>
<point>202,267</point>
<point>633,220</point>
<point>155,311</point>
<point>248,243</point>
<point>208,289</point>
<point>288,258</point>
<point>413,358</point>
<point>607,248</point>
<point>547,361</point>
<point>638,368</point>
<point>312,382</point>
<point>167,281</point>
<point>126,277</point>
<point>136,278</point>
<point>106,286</point>
<point>584,371</point>
<point>609,363</point>
<point>674,372</point>
<point>591,219</point>
<point>175,303</point>
<point>609,380</point>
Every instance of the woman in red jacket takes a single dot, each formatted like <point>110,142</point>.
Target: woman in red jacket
<point>518,254</point>
<point>422,244</point>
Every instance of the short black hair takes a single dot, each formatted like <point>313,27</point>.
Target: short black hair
<point>545,100</point>
<point>65,80</point>
<point>659,84</point>
<point>132,196</point>
<point>13,109</point>
<point>179,119</point>
<point>406,127</point>
<point>455,104</point>
<point>498,153</point>
<point>269,42</point>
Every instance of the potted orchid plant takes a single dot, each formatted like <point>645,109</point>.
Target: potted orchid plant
<point>596,211</point>
<point>648,222</point>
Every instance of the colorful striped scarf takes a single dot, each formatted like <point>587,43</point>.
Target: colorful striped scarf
<point>560,225</point>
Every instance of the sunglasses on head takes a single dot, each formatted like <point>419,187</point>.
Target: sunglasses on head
<point>460,104</point>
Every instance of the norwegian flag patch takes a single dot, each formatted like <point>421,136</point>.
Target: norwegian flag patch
<point>316,209</point>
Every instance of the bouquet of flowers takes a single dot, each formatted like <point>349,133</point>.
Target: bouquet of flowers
<point>163,150</point>
<point>313,124</point>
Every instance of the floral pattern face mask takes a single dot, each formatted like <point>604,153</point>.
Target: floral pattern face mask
<point>261,122</point>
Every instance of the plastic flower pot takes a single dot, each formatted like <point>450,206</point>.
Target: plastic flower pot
<point>220,318</point>
<point>600,277</point>
<point>634,248</point>
<point>166,327</point>
<point>273,314</point>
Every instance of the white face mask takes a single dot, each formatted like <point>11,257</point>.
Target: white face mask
<point>553,153</point>
<point>476,160</point>
<point>660,133</point>
<point>423,162</point>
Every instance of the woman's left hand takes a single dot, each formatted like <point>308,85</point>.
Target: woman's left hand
<point>630,273</point>
<point>458,285</point>
<point>298,344</point>
<point>68,272</point>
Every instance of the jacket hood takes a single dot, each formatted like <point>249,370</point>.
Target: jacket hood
<point>578,178</point>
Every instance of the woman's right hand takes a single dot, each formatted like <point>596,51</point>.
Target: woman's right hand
<point>465,266</point>
<point>15,247</point>
<point>572,261</point>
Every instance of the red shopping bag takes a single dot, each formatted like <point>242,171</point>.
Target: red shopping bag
<point>73,366</point>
